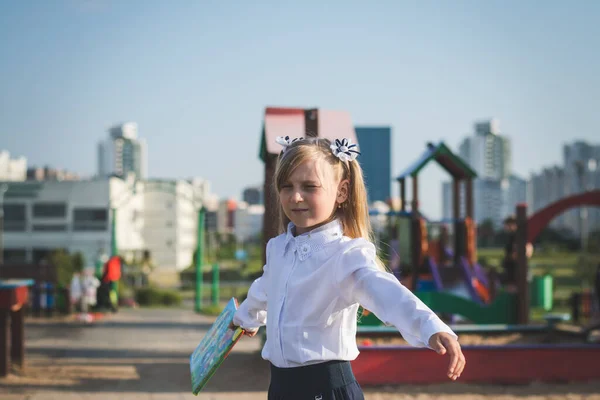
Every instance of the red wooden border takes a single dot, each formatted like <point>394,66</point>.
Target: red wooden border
<point>493,364</point>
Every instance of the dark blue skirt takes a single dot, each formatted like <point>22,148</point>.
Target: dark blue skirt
<point>332,380</point>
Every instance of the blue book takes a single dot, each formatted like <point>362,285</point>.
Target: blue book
<point>214,347</point>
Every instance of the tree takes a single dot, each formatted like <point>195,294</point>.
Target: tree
<point>78,262</point>
<point>593,244</point>
<point>63,262</point>
<point>558,238</point>
<point>486,233</point>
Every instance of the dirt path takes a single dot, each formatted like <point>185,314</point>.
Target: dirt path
<point>143,354</point>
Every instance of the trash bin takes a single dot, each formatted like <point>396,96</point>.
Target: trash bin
<point>542,290</point>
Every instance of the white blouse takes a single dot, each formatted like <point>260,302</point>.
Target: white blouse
<point>311,288</point>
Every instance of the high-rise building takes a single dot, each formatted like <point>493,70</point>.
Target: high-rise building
<point>122,152</point>
<point>226,216</point>
<point>170,222</point>
<point>514,191</point>
<point>248,221</point>
<point>253,195</point>
<point>547,187</point>
<point>582,173</point>
<point>496,191</point>
<point>487,151</point>
<point>12,169</point>
<point>375,159</point>
<point>50,174</point>
<point>448,201</point>
<point>489,201</point>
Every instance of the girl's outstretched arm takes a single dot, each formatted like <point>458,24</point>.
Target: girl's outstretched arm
<point>362,281</point>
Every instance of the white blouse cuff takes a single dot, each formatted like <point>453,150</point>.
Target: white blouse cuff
<point>250,321</point>
<point>434,326</point>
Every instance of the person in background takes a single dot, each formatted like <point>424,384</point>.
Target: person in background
<point>508,277</point>
<point>110,279</point>
<point>89,286</point>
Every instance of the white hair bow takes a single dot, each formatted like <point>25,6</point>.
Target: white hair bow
<point>344,149</point>
<point>286,141</point>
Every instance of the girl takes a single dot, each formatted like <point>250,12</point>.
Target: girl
<point>318,272</point>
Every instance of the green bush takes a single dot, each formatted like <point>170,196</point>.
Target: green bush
<point>151,296</point>
<point>211,310</point>
<point>171,298</point>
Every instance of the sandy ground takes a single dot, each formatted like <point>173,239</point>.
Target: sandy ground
<point>143,354</point>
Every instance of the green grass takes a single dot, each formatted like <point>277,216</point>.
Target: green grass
<point>571,272</point>
<point>225,292</point>
<point>253,267</point>
<point>564,267</point>
<point>494,257</point>
<point>211,310</point>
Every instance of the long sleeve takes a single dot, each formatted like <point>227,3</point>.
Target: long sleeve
<point>363,282</point>
<point>252,313</point>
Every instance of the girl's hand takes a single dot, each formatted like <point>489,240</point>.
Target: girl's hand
<point>250,333</point>
<point>247,332</point>
<point>443,342</point>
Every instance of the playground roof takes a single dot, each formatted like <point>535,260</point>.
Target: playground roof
<point>283,121</point>
<point>445,158</point>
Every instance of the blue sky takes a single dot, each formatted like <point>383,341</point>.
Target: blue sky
<point>197,75</point>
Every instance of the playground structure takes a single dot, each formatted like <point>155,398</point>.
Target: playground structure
<point>450,281</point>
<point>464,229</point>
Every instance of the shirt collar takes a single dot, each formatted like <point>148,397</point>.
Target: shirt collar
<point>317,237</point>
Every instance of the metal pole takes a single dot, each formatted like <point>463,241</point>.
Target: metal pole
<point>199,258</point>
<point>3,189</point>
<point>522,267</point>
<point>215,284</point>
<point>113,236</point>
<point>582,211</point>
<point>99,267</point>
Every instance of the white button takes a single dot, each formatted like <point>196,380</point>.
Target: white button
<point>305,248</point>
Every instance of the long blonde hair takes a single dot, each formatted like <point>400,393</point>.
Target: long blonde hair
<point>354,212</point>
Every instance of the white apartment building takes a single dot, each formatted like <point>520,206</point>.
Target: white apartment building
<point>545,188</point>
<point>492,199</point>
<point>580,172</point>
<point>155,215</point>
<point>226,216</point>
<point>488,201</point>
<point>75,215</point>
<point>171,221</point>
<point>487,151</point>
<point>12,169</point>
<point>514,191</point>
<point>248,221</point>
<point>123,153</point>
<point>496,191</point>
